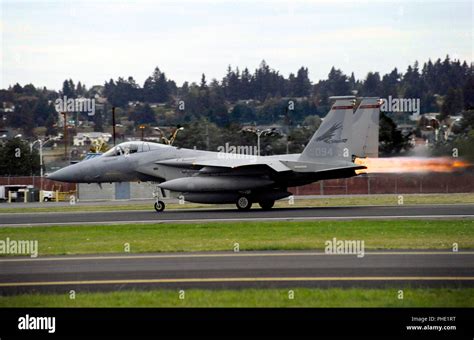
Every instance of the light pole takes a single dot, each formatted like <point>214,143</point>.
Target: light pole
<point>113,123</point>
<point>163,138</point>
<point>142,129</point>
<point>175,133</point>
<point>41,144</point>
<point>40,153</point>
<point>259,132</point>
<point>41,158</point>
<point>172,137</point>
<point>65,136</point>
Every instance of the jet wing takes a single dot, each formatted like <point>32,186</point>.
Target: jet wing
<point>229,163</point>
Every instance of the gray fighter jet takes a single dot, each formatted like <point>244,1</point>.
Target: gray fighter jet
<point>243,179</point>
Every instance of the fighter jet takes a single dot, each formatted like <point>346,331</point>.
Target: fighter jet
<point>219,177</point>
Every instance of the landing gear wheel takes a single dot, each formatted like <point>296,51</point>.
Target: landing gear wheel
<point>266,205</point>
<point>159,206</point>
<point>243,203</point>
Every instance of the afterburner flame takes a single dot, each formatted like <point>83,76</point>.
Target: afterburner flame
<point>410,164</point>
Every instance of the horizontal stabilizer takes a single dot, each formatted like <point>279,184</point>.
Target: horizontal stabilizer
<point>319,167</point>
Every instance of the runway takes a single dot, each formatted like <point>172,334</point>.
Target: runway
<point>229,215</point>
<point>217,270</point>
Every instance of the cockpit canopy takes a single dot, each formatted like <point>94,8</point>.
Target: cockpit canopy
<point>129,148</point>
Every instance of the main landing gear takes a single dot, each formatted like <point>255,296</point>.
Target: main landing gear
<point>244,203</point>
<point>266,205</point>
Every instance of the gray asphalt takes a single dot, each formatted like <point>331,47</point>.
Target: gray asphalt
<point>222,215</point>
<point>236,270</point>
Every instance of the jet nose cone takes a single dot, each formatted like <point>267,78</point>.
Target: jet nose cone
<point>59,175</point>
<point>68,174</point>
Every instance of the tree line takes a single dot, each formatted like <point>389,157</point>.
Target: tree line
<point>434,79</point>
<point>244,97</point>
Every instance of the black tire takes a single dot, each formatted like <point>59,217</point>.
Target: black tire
<point>243,203</point>
<point>266,205</point>
<point>160,206</point>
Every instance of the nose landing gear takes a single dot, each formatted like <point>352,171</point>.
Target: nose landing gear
<point>159,193</point>
<point>159,206</point>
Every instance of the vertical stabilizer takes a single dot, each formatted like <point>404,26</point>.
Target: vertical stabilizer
<point>332,139</point>
<point>365,130</point>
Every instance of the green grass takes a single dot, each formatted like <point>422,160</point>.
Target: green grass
<point>463,198</point>
<point>303,297</point>
<point>377,234</point>
<point>316,202</point>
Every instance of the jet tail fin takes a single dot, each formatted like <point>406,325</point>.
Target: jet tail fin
<point>332,139</point>
<point>366,128</point>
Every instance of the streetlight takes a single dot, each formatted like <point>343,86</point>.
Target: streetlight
<point>142,128</point>
<point>163,138</point>
<point>259,132</point>
<point>172,137</point>
<point>41,144</point>
<point>175,133</point>
<point>41,153</point>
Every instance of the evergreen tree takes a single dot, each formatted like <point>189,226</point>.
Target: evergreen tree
<point>69,89</point>
<point>372,85</point>
<point>392,141</point>
<point>16,159</point>
<point>452,103</point>
<point>302,84</point>
<point>468,92</point>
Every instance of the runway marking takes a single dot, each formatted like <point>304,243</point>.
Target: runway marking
<point>240,254</point>
<point>211,209</point>
<point>251,219</point>
<point>241,279</point>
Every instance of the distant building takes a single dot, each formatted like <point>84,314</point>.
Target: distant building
<point>87,138</point>
<point>7,107</point>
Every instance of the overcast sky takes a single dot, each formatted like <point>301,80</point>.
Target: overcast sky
<point>45,42</point>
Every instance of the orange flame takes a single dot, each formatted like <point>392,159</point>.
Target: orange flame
<point>410,164</point>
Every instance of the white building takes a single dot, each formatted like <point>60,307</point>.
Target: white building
<point>83,138</point>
